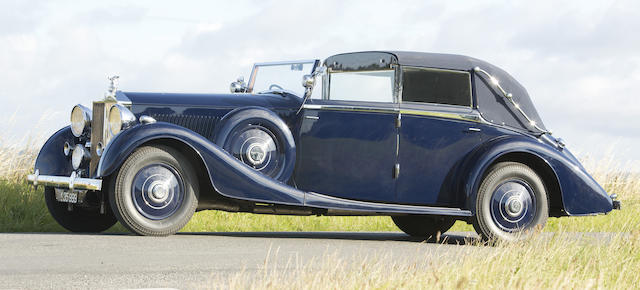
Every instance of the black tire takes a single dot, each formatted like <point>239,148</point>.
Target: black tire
<point>423,226</point>
<point>80,219</point>
<point>512,202</point>
<point>168,195</point>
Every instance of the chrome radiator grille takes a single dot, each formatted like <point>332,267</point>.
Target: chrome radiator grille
<point>203,125</point>
<point>99,132</point>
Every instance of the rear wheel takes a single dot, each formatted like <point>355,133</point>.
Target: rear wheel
<point>78,219</point>
<point>423,226</point>
<point>512,202</point>
<point>155,191</point>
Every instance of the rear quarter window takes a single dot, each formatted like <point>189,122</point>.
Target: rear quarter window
<point>436,86</point>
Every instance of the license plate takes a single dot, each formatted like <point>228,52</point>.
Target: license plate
<point>66,196</point>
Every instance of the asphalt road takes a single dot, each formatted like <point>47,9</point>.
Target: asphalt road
<point>193,260</point>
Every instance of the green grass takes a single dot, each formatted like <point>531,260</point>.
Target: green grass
<point>22,209</point>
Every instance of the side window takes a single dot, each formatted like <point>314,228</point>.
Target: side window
<point>425,85</point>
<point>364,86</point>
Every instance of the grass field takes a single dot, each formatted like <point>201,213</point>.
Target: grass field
<point>546,261</point>
<point>22,208</point>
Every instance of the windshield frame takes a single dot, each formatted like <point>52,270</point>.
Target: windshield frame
<point>254,70</point>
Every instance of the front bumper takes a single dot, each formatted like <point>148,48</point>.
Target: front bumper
<point>72,182</point>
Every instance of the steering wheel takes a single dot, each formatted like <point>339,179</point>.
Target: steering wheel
<point>275,86</point>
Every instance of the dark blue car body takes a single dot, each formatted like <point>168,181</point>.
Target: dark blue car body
<point>355,157</point>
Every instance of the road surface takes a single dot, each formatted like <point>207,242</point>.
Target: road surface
<point>193,260</point>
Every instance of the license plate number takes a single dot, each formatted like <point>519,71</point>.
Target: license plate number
<point>67,196</point>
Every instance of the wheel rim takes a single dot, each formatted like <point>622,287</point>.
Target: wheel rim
<point>513,205</point>
<point>157,191</point>
<point>257,147</point>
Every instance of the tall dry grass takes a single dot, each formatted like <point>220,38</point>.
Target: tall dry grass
<point>17,159</point>
<point>557,261</point>
<point>23,208</point>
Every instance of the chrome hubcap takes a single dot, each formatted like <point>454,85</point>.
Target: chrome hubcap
<point>256,154</point>
<point>513,205</point>
<point>157,191</point>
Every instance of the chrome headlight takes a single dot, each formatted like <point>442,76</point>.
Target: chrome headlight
<point>80,120</point>
<point>120,118</point>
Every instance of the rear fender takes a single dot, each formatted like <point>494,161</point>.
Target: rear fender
<point>229,176</point>
<point>581,194</point>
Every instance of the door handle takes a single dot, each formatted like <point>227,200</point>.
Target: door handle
<point>473,130</point>
<point>312,117</point>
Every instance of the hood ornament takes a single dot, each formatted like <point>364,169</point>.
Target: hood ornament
<point>113,88</point>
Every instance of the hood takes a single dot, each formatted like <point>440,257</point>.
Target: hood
<point>272,101</point>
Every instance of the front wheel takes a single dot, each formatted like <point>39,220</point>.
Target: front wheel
<point>78,219</point>
<point>155,192</point>
<point>511,203</point>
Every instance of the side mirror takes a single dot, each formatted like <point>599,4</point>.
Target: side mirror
<point>239,86</point>
<point>308,81</point>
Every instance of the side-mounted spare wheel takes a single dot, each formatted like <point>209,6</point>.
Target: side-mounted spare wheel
<point>511,203</point>
<point>260,139</point>
<point>423,226</point>
<point>78,219</point>
<point>155,192</point>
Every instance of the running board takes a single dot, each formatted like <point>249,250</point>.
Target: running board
<point>313,199</point>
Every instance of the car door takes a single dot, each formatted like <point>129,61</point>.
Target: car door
<point>439,128</point>
<point>347,140</point>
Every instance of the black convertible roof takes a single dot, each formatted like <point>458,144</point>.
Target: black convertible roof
<point>489,100</point>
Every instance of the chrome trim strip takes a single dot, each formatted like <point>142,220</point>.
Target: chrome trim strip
<point>447,115</point>
<point>509,97</point>
<point>324,201</point>
<point>352,108</point>
<point>72,182</point>
<point>312,107</point>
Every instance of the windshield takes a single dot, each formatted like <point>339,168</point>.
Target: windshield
<point>280,76</point>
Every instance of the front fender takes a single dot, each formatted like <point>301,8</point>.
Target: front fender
<point>228,175</point>
<point>581,194</point>
<point>51,159</point>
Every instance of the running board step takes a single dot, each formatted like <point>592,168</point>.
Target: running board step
<point>313,199</point>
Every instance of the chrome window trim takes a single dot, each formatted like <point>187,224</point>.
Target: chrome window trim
<point>443,70</point>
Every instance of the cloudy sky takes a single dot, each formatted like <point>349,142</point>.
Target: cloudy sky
<point>579,60</point>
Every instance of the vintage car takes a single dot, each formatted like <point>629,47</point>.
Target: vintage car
<point>424,138</point>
